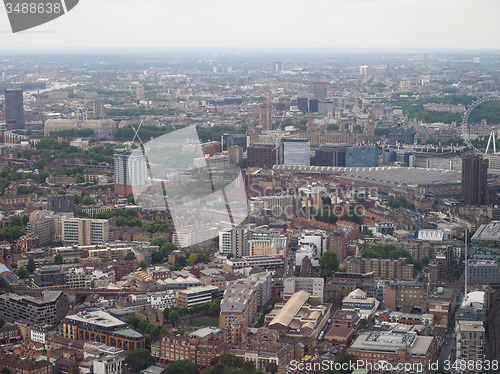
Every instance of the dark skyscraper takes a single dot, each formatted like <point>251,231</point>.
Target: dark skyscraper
<point>14,111</point>
<point>261,156</point>
<point>474,178</point>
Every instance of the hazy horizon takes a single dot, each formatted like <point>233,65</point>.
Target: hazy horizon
<point>445,25</point>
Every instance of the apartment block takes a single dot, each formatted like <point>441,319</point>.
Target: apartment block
<point>48,309</point>
<point>198,347</point>
<point>85,231</point>
<point>196,296</point>
<point>399,294</point>
<point>471,341</point>
<point>314,286</point>
<point>381,268</point>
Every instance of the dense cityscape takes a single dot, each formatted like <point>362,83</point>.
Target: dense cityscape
<point>250,212</point>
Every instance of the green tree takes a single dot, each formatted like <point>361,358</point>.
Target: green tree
<point>328,263</point>
<point>174,316</point>
<point>143,264</point>
<point>214,307</point>
<point>15,221</point>
<point>387,251</point>
<point>248,366</point>
<point>130,256</point>
<point>139,359</point>
<point>2,322</point>
<point>181,261</point>
<point>87,200</point>
<point>31,266</point>
<point>193,258</point>
<point>272,368</point>
<point>204,257</point>
<point>133,321</point>
<point>22,272</point>
<point>160,242</point>
<point>182,367</point>
<point>5,370</point>
<point>58,259</point>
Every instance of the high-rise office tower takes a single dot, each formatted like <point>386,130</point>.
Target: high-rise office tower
<point>474,178</point>
<point>277,66</point>
<point>261,156</point>
<point>266,115</point>
<point>302,104</point>
<point>295,152</point>
<point>130,171</point>
<point>98,109</point>
<point>14,110</point>
<point>319,89</point>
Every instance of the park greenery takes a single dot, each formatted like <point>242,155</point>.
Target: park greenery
<point>387,251</point>
<point>139,359</point>
<point>13,231</point>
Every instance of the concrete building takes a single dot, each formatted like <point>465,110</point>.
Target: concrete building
<point>48,309</point>
<point>300,315</point>
<point>264,247</point>
<point>474,179</point>
<point>130,171</point>
<point>85,231</point>
<point>14,108</point>
<point>331,154</point>
<point>246,264</point>
<point>49,276</point>
<point>233,140</point>
<point>361,157</point>
<point>198,347</point>
<point>295,152</point>
<point>358,302</point>
<point>108,365</point>
<point>263,156</point>
<point>381,268</point>
<point>373,347</point>
<point>313,286</point>
<point>237,309</point>
<point>234,241</point>
<point>471,342</point>
<point>101,327</point>
<point>61,203</point>
<point>263,352</point>
<point>400,293</point>
<point>196,296</point>
<point>101,128</point>
<point>44,228</point>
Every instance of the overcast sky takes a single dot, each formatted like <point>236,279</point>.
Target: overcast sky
<point>455,24</point>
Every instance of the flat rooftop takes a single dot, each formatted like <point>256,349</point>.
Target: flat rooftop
<point>490,231</point>
<point>392,342</point>
<point>97,318</point>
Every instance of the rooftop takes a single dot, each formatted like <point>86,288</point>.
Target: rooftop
<point>97,318</point>
<point>392,342</point>
<point>491,231</point>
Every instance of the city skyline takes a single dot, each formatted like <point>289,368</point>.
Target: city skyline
<point>342,24</point>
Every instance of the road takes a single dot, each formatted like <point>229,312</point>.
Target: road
<point>449,348</point>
